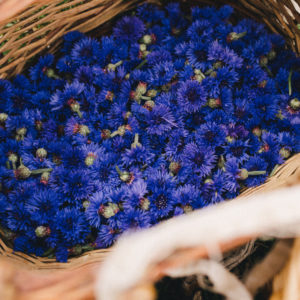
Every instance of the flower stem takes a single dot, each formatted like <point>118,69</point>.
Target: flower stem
<point>40,171</point>
<point>141,64</point>
<point>145,97</point>
<point>255,173</point>
<point>290,82</point>
<point>136,142</point>
<point>274,170</point>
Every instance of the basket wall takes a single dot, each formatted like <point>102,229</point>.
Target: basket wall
<point>39,27</point>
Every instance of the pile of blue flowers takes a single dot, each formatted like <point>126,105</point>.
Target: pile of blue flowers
<point>171,113</point>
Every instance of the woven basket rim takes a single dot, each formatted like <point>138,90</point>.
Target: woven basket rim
<point>45,263</point>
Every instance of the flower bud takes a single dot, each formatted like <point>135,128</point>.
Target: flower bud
<point>41,153</point>
<point>109,96</point>
<point>3,117</point>
<point>144,203</point>
<point>272,54</point>
<point>263,61</point>
<point>295,104</point>
<point>76,250</point>
<point>109,210</point>
<point>229,139</point>
<point>42,231</point>
<point>90,159</point>
<point>13,157</point>
<point>141,88</point>
<point>152,93</point>
<point>208,181</point>
<point>187,209</point>
<point>45,178</point>
<point>86,204</point>
<point>174,167</point>
<point>127,115</point>
<point>257,131</point>
<point>22,172</point>
<point>243,174</point>
<point>105,134</point>
<point>285,152</point>
<point>39,125</point>
<point>143,47</point>
<point>262,84</point>
<point>147,39</point>
<point>84,130</point>
<point>21,131</point>
<point>149,104</point>
<point>214,103</point>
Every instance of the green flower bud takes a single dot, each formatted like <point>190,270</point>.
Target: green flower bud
<point>21,131</point>
<point>3,117</point>
<point>42,231</point>
<point>84,130</point>
<point>174,167</point>
<point>41,153</point>
<point>144,203</point>
<point>13,157</point>
<point>22,172</point>
<point>147,39</point>
<point>285,152</point>
<point>295,104</point>
<point>110,210</point>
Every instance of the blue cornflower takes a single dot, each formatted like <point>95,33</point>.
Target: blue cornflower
<point>71,224</point>
<point>161,73</point>
<point>216,52</point>
<point>79,184</point>
<point>270,149</point>
<point>159,56</point>
<point>199,159</point>
<point>210,135</point>
<point>265,107</point>
<point>191,96</point>
<point>86,51</point>
<point>93,212</point>
<point>136,196</point>
<point>197,55</point>
<point>107,235</point>
<point>129,29</point>
<point>237,149</point>
<point>134,219</point>
<point>214,188</point>
<point>69,39</point>
<point>200,29</point>
<point>68,98</point>
<point>42,68</point>
<point>5,92</point>
<point>160,120</point>
<point>137,156</point>
<point>188,197</point>
<point>42,205</point>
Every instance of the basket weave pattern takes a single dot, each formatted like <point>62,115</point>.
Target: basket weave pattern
<point>31,27</point>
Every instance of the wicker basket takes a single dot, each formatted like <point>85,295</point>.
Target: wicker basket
<point>31,27</point>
